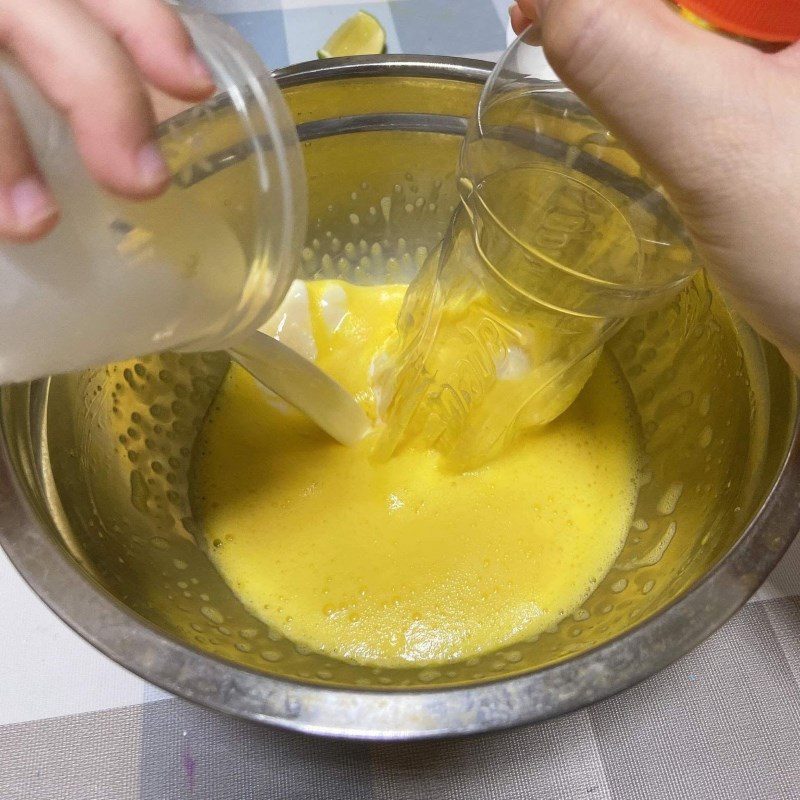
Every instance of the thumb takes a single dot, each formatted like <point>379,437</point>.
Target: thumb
<point>661,84</point>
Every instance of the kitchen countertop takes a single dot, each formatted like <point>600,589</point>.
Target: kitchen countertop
<point>724,721</point>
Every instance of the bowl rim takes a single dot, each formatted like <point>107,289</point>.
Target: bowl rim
<point>392,714</point>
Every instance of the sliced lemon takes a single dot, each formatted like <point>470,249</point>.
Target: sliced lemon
<point>360,35</point>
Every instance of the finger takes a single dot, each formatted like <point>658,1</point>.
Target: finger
<point>654,79</point>
<point>164,105</point>
<point>158,42</point>
<point>788,55</point>
<point>86,74</point>
<point>530,9</point>
<point>27,209</point>
<point>518,20</point>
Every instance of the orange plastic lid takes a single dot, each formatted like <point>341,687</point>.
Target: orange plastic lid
<point>764,20</point>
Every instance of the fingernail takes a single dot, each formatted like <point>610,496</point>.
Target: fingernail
<point>153,169</point>
<point>31,202</point>
<point>200,71</point>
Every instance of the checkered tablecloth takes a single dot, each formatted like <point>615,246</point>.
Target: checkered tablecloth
<point>723,722</point>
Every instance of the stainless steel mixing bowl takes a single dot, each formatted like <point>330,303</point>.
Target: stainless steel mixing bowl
<point>96,470</point>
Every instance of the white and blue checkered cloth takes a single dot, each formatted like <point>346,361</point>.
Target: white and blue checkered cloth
<point>723,722</point>
<point>289,31</point>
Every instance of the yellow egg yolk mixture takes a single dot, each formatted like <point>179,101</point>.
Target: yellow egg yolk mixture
<point>402,563</point>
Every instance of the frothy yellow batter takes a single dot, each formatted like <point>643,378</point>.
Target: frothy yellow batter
<point>401,562</point>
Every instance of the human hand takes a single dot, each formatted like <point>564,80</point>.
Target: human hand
<point>93,59</point>
<point>717,122</point>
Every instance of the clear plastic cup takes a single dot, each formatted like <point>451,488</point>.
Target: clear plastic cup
<point>560,237</point>
<point>194,269</point>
